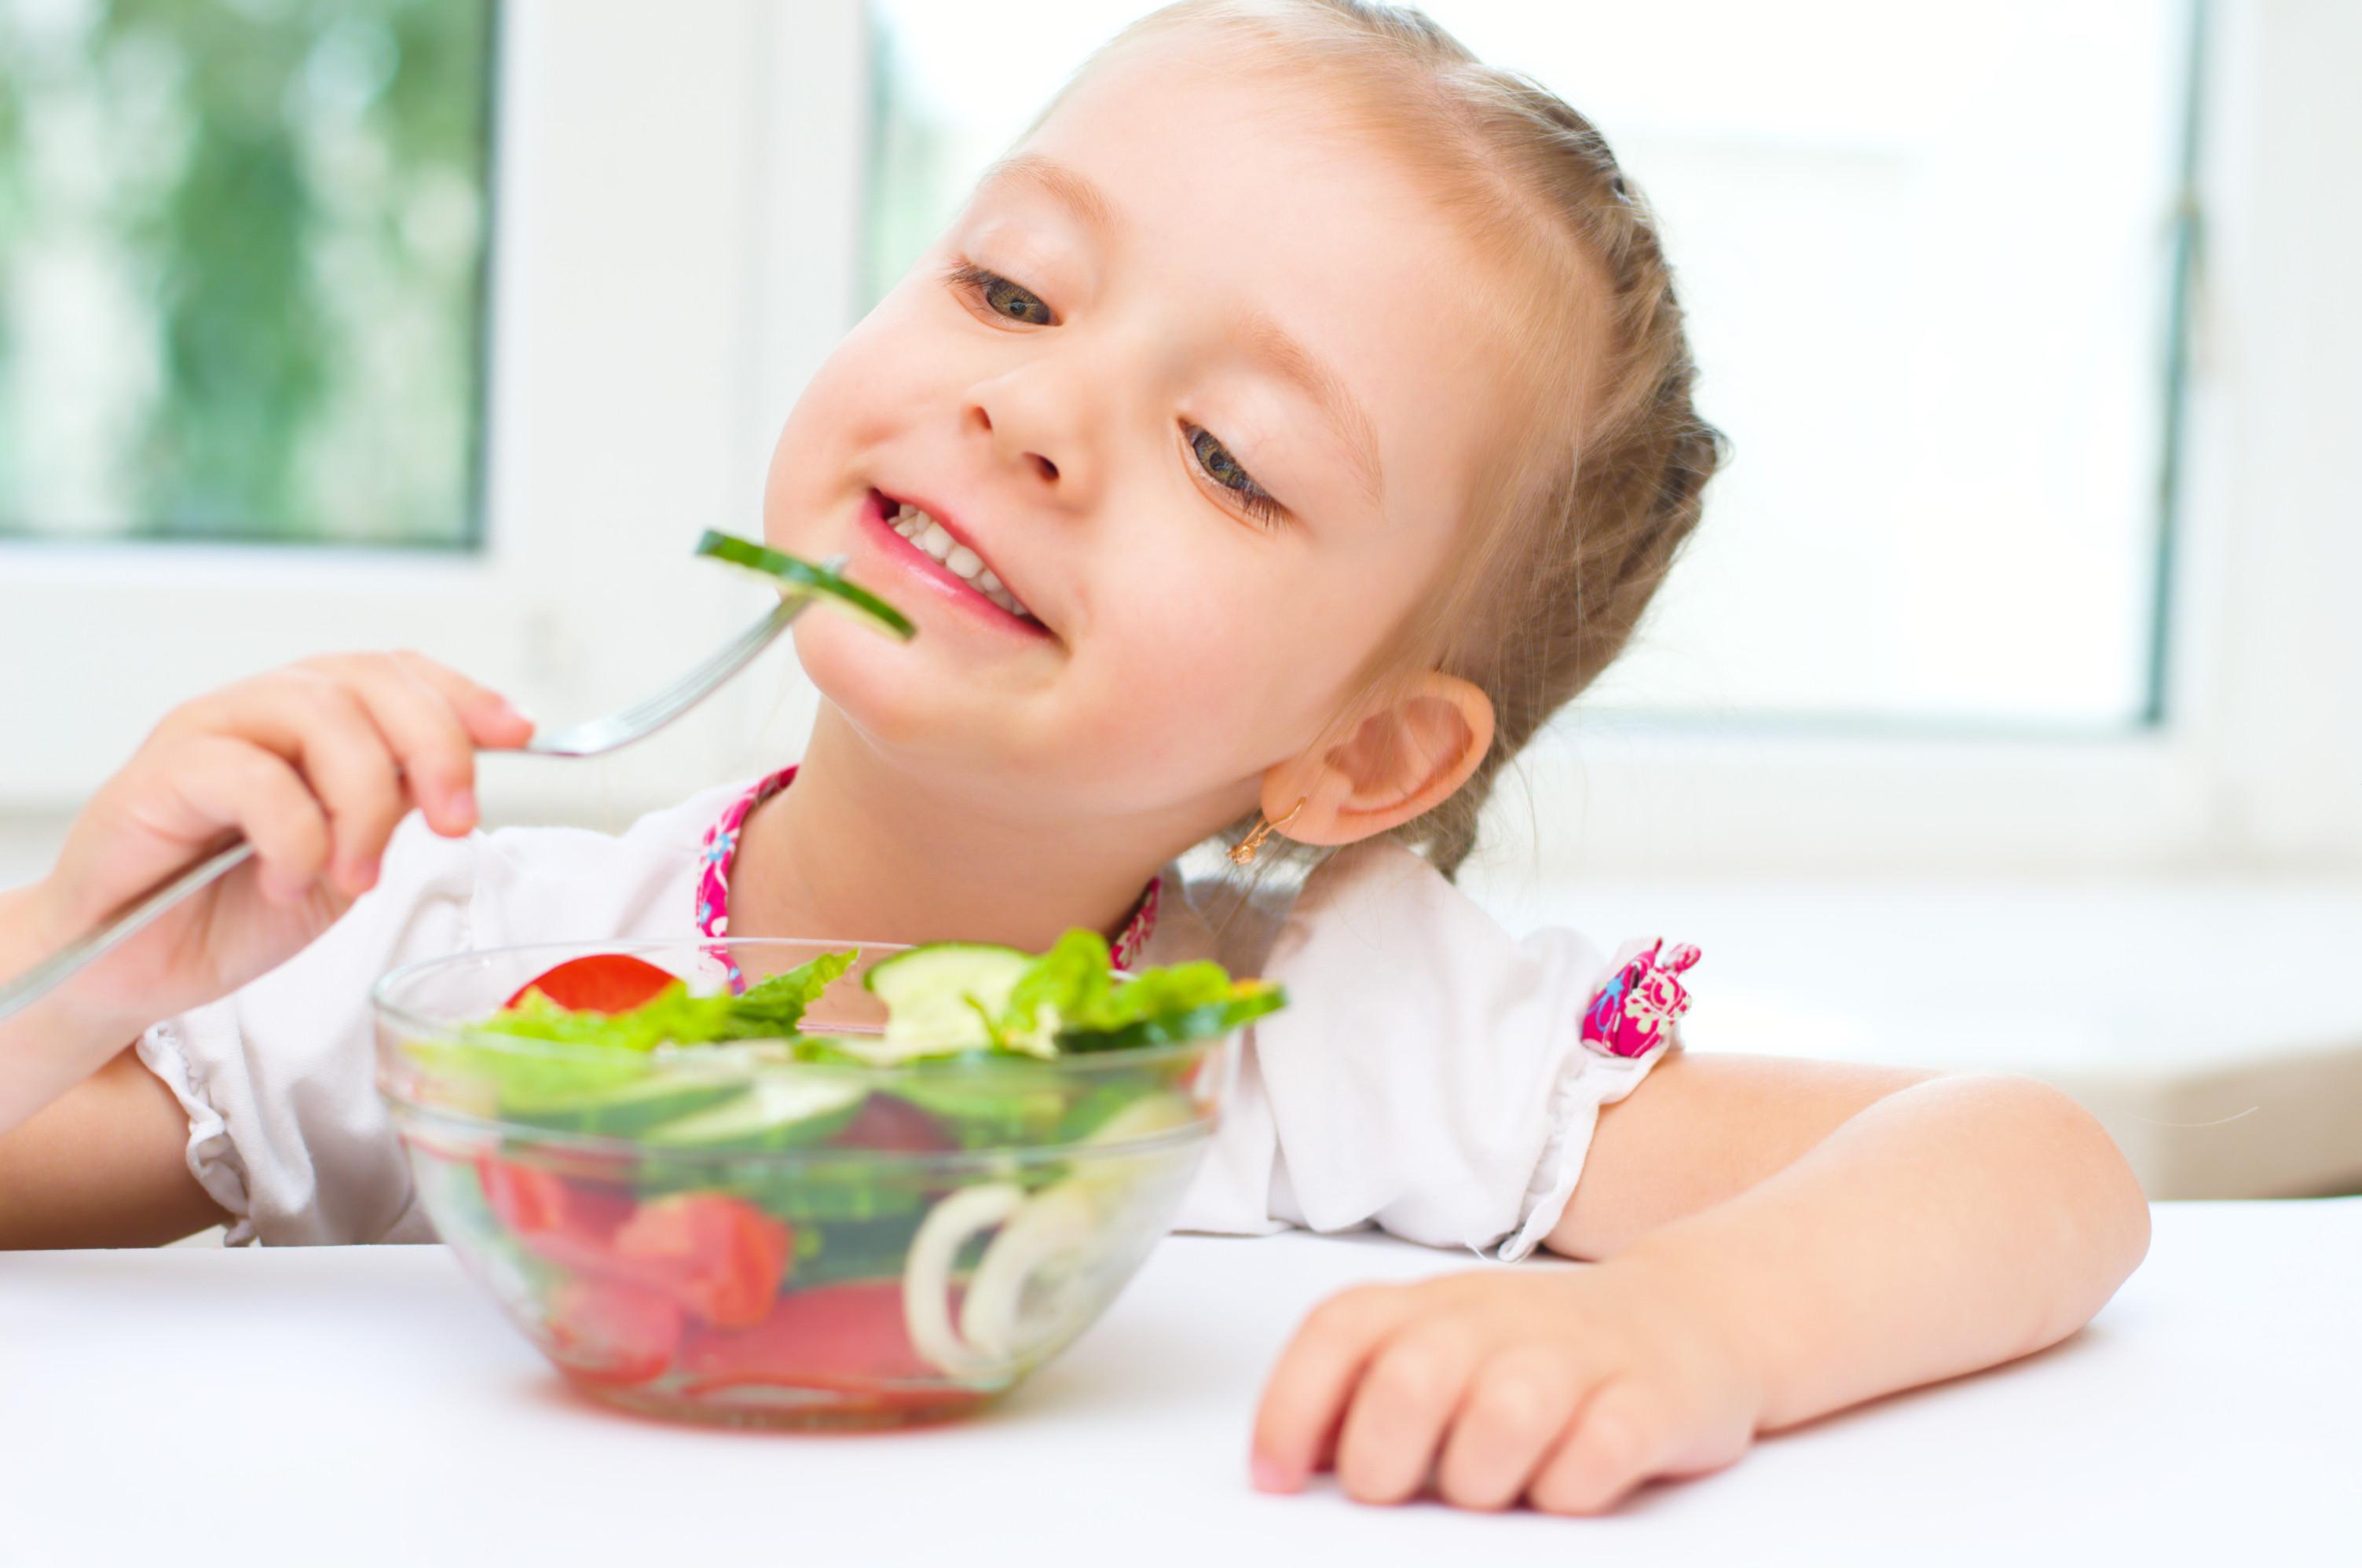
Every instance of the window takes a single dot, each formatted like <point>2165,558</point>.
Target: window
<point>243,261</point>
<point>1927,253</point>
<point>1914,635</point>
<point>609,366</point>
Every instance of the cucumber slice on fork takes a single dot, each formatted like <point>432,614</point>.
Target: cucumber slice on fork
<point>790,574</point>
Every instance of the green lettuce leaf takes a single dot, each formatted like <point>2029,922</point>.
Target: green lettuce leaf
<point>1067,1002</point>
<point>608,1053</point>
<point>769,1009</point>
<point>1065,983</point>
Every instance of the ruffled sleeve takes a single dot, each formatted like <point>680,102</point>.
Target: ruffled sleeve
<point>285,1128</point>
<point>1432,1074</point>
<point>286,1131</point>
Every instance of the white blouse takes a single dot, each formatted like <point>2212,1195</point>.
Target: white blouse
<point>1430,1073</point>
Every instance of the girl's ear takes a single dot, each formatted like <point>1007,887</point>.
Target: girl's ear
<point>1403,760</point>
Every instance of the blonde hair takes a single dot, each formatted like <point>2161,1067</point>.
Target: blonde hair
<point>1575,522</point>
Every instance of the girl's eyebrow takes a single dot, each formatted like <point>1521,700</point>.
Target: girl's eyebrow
<point>1272,343</point>
<point>1066,185</point>
<point>1264,337</point>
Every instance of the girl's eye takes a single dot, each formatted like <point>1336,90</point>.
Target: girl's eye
<point>1224,470</point>
<point>1000,296</point>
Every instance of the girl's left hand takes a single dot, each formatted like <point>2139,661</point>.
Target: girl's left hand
<point>1567,1389</point>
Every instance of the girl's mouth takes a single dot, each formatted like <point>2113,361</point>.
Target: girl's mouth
<point>937,554</point>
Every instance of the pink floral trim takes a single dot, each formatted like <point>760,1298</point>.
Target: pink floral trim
<point>1634,1011</point>
<point>721,853</point>
<point>1133,940</point>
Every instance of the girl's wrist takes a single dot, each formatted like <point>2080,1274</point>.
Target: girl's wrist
<point>1724,1302</point>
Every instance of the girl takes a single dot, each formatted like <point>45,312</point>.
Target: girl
<point>1297,419</point>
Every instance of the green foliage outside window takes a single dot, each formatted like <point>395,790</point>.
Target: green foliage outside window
<point>241,268</point>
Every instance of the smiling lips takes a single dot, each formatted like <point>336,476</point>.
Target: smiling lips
<point>922,530</point>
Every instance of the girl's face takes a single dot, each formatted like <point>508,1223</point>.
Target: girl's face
<point>1201,380</point>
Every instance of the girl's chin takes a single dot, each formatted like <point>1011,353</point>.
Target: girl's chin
<point>893,693</point>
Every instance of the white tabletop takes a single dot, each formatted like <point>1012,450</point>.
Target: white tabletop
<point>355,1406</point>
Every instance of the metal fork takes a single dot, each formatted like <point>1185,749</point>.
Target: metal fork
<point>594,738</point>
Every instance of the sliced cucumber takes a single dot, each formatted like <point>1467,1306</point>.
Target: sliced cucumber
<point>634,1108</point>
<point>779,1111</point>
<point>937,998</point>
<point>802,577</point>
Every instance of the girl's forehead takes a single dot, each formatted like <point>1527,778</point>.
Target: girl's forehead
<point>1251,210</point>
<point>1251,167</point>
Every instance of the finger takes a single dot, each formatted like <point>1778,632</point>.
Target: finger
<point>1616,1442</point>
<point>1403,1406</point>
<point>230,783</point>
<point>427,737</point>
<point>1305,1397</point>
<point>492,720</point>
<point>318,721</point>
<point>310,719</point>
<point>1518,1405</point>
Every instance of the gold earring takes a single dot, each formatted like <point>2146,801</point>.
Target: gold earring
<point>1243,852</point>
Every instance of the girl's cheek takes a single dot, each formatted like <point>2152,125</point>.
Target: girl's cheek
<point>1216,692</point>
<point>1171,620</point>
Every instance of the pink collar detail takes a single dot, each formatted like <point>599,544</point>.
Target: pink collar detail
<point>721,853</point>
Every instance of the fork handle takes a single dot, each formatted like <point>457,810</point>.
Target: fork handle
<point>47,975</point>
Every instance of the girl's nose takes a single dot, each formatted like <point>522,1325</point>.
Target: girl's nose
<point>1041,463</point>
<point>1035,428</point>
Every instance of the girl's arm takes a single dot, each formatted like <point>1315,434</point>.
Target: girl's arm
<point>1885,1229</point>
<point>1783,1238</point>
<point>104,1165</point>
<point>314,766</point>
<point>55,1190</point>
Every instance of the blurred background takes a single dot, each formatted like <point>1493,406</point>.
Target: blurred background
<point>2005,712</point>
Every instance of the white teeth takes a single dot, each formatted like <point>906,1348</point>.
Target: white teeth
<point>961,561</point>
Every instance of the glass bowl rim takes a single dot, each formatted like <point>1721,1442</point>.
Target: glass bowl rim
<point>1086,1063</point>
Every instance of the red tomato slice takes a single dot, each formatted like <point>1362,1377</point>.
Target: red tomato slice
<point>570,1223</point>
<point>716,1256</point>
<point>839,1338</point>
<point>719,1257</point>
<point>535,1202</point>
<point>604,982</point>
<point>603,1331</point>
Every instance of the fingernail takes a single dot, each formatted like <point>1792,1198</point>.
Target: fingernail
<point>367,874</point>
<point>463,807</point>
<point>519,715</point>
<point>1268,1475</point>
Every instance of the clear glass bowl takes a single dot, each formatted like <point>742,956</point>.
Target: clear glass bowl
<point>722,1234</point>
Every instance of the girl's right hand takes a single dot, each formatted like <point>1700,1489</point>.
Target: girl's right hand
<point>314,764</point>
